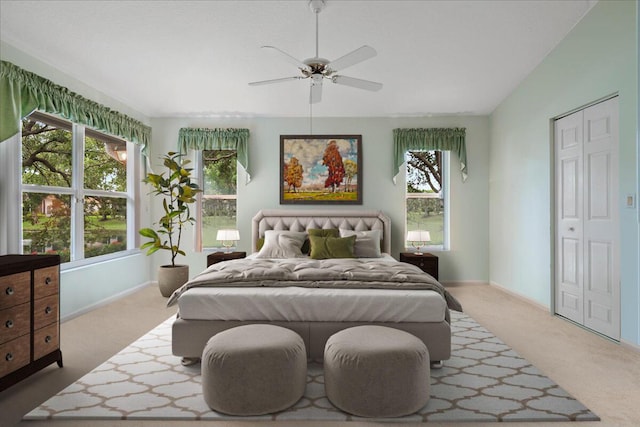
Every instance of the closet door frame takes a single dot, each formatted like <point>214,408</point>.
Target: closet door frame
<point>597,274</point>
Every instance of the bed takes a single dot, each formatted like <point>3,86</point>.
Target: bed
<point>314,295</point>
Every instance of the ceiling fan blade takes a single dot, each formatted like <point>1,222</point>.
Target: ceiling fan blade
<point>358,83</point>
<point>289,58</point>
<point>268,82</point>
<point>362,53</point>
<point>315,95</point>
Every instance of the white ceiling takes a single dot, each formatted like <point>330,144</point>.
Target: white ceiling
<point>195,58</point>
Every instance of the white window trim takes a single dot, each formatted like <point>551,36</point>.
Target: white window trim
<point>198,229</point>
<point>11,189</point>
<point>444,194</point>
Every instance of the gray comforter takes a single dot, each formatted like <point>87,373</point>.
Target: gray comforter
<point>327,273</point>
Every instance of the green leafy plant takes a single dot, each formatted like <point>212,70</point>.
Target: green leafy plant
<point>178,192</point>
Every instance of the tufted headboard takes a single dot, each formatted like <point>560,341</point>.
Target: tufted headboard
<point>302,220</point>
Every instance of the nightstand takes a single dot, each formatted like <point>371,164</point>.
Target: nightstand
<point>217,257</point>
<point>427,262</point>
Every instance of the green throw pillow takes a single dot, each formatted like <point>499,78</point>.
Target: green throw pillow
<point>320,232</point>
<point>332,247</point>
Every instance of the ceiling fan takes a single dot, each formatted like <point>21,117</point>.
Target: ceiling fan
<point>317,68</point>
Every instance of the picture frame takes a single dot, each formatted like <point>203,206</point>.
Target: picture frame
<point>321,169</point>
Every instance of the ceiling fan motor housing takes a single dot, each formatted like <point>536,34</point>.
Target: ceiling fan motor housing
<point>317,66</point>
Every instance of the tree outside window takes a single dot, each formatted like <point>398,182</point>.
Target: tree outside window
<point>425,202</point>
<point>218,199</point>
<point>51,189</point>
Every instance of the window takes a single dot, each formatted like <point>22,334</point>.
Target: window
<point>218,198</point>
<point>74,190</point>
<point>426,203</point>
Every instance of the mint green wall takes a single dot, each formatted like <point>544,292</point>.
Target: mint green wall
<point>596,59</point>
<point>468,257</point>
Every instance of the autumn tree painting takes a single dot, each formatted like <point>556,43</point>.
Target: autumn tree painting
<point>320,169</point>
<point>350,171</point>
<point>335,167</point>
<point>293,174</point>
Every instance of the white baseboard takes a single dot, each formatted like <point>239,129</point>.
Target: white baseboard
<point>464,282</point>
<point>631,346</point>
<point>520,296</point>
<point>105,301</point>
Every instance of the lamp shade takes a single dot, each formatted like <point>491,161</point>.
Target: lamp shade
<point>228,234</point>
<point>418,236</point>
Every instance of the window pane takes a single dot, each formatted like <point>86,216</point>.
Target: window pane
<point>216,214</point>
<point>105,165</point>
<point>426,214</point>
<point>105,225</point>
<point>219,194</point>
<point>46,226</point>
<point>425,204</point>
<point>219,172</point>
<point>46,153</point>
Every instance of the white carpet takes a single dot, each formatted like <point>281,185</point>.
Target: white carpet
<point>484,380</point>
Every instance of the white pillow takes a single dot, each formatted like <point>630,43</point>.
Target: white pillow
<point>282,244</point>
<point>367,243</point>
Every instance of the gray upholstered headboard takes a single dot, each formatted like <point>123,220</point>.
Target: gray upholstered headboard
<point>302,220</point>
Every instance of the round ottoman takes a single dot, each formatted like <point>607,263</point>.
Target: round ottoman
<point>376,371</point>
<point>254,370</point>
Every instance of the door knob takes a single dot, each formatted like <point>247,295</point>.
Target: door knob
<point>571,229</point>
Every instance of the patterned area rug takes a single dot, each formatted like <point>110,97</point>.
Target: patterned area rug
<point>484,380</point>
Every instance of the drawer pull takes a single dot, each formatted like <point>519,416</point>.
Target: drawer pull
<point>47,280</point>
<point>48,339</point>
<point>48,310</point>
<point>9,291</point>
<point>9,323</point>
<point>8,357</point>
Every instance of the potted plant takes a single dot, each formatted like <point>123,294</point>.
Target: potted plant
<point>178,192</point>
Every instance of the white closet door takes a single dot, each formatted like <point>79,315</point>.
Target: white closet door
<point>601,219</point>
<point>587,218</point>
<point>569,207</point>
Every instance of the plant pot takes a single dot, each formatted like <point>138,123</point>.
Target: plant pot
<point>171,278</point>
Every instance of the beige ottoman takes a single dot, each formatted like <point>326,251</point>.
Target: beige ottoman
<point>254,370</point>
<point>376,371</point>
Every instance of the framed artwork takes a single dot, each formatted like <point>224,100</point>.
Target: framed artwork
<point>321,169</point>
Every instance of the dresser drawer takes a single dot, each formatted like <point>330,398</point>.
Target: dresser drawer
<point>14,355</point>
<point>45,311</point>
<point>45,282</point>
<point>45,341</point>
<point>15,289</point>
<point>14,322</point>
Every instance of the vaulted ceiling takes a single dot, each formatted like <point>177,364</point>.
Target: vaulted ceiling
<point>195,58</point>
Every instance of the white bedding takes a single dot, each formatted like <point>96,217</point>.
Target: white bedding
<point>312,304</point>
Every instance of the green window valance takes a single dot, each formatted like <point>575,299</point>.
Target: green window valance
<point>444,139</point>
<point>217,139</point>
<point>22,92</point>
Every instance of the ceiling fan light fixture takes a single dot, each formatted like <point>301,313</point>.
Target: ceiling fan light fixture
<point>317,68</point>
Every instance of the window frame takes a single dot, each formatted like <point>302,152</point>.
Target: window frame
<point>444,194</point>
<point>199,226</point>
<point>77,192</point>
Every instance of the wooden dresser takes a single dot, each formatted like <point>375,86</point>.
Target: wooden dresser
<point>29,315</point>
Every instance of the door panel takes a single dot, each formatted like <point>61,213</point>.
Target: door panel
<point>569,165</point>
<point>599,171</point>
<point>601,224</point>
